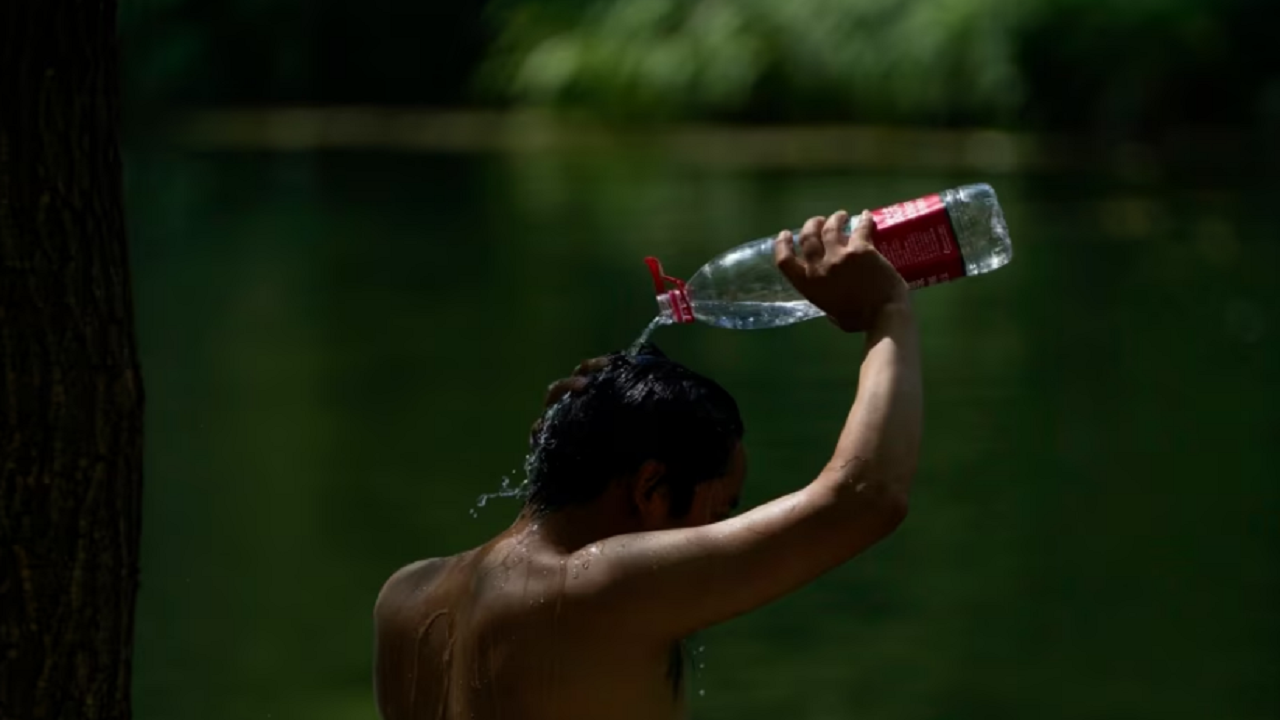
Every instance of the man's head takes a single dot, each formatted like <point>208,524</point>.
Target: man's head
<point>670,436</point>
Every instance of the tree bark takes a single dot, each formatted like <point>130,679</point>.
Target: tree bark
<point>70,388</point>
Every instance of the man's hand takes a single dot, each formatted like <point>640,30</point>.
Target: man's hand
<point>564,386</point>
<point>844,276</point>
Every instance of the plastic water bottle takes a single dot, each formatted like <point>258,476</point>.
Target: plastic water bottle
<point>934,239</point>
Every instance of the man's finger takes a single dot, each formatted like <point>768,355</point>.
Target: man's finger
<point>784,254</point>
<point>590,366</point>
<point>560,388</point>
<point>833,231</point>
<point>811,240</point>
<point>864,233</point>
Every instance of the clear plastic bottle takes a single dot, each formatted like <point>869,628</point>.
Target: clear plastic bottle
<point>934,239</point>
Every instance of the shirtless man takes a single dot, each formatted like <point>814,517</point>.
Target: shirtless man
<point>628,543</point>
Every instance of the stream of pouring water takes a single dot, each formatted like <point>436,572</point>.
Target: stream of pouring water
<point>658,322</point>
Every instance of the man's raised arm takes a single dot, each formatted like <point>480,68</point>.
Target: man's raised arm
<point>674,582</point>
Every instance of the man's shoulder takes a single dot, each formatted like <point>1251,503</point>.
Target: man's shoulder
<point>420,569</point>
<point>409,583</point>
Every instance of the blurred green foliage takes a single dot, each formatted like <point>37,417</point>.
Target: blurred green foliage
<point>1109,68</point>
<point>872,59</point>
<point>1061,64</point>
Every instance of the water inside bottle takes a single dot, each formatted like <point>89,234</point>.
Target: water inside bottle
<point>755,315</point>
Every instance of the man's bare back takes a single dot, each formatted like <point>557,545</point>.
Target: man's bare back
<point>502,632</point>
<point>627,542</point>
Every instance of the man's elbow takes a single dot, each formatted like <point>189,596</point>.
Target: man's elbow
<point>881,505</point>
<point>891,511</point>
<point>887,502</point>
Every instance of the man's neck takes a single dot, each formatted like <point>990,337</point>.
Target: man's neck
<point>573,528</point>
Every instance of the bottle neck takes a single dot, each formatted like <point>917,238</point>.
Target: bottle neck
<point>664,308</point>
<point>674,307</point>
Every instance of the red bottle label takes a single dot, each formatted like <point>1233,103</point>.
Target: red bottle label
<point>917,238</point>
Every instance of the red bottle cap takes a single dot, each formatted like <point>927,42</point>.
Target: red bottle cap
<point>676,298</point>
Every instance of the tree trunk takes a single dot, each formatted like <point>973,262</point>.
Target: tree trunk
<point>70,389</point>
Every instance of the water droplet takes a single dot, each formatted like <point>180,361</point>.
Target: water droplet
<point>702,693</point>
<point>508,489</point>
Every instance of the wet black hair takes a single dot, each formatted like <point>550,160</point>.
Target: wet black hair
<point>622,411</point>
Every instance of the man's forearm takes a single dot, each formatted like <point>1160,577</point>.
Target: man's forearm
<point>878,449</point>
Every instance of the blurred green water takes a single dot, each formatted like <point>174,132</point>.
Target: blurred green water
<point>342,351</point>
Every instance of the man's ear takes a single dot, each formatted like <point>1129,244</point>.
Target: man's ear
<point>649,496</point>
